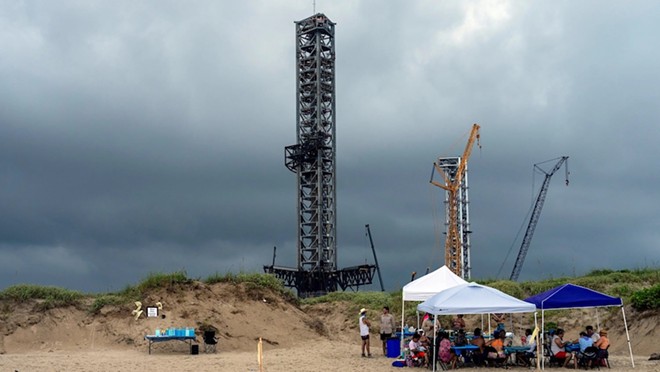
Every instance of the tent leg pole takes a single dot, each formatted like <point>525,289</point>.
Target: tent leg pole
<point>403,311</point>
<point>542,339</point>
<point>435,339</point>
<point>625,323</point>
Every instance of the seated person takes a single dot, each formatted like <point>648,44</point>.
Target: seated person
<point>530,341</point>
<point>588,352</point>
<point>423,340</point>
<point>602,344</point>
<point>458,323</point>
<point>478,340</point>
<point>585,341</point>
<point>460,339</point>
<point>495,347</point>
<point>416,349</point>
<point>558,347</point>
<point>444,353</point>
<point>524,358</point>
<point>590,332</point>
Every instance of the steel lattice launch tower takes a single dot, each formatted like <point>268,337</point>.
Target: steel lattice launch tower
<point>313,160</point>
<point>313,157</point>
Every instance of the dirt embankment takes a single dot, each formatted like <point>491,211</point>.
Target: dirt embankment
<point>241,314</point>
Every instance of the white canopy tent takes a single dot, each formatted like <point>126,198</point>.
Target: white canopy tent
<point>425,287</point>
<point>473,298</point>
<point>430,284</point>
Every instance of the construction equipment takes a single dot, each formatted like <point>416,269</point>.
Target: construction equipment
<point>536,213</point>
<point>313,160</point>
<point>371,241</point>
<point>453,181</point>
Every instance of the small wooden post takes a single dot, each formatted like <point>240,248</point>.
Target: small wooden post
<point>260,355</point>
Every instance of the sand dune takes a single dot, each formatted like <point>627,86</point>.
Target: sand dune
<point>312,338</point>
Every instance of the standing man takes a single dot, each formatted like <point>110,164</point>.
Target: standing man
<point>386,327</point>
<point>364,332</point>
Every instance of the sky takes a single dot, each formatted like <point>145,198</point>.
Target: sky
<point>146,137</point>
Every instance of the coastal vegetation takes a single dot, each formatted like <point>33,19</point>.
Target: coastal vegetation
<point>638,287</point>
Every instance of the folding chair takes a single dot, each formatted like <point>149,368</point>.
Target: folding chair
<point>602,358</point>
<point>586,358</point>
<point>210,341</point>
<point>551,358</point>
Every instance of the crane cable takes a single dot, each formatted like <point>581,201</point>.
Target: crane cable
<point>436,224</point>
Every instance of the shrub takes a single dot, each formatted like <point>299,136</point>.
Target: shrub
<point>52,296</point>
<point>646,299</point>
<point>107,299</point>
<point>511,288</point>
<point>254,281</point>
<point>160,280</point>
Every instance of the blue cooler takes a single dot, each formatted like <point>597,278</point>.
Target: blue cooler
<point>393,347</point>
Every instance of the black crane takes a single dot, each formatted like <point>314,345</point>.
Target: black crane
<point>536,213</point>
<point>371,241</point>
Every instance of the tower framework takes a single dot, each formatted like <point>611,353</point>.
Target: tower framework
<point>458,260</point>
<point>313,160</point>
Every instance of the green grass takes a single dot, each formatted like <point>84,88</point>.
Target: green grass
<point>638,287</point>
<point>49,297</point>
<point>254,281</point>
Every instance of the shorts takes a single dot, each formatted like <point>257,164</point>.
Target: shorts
<point>365,337</point>
<point>561,355</point>
<point>385,336</point>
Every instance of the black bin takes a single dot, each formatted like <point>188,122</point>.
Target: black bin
<point>194,349</point>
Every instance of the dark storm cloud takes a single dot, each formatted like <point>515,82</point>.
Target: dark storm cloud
<point>149,137</point>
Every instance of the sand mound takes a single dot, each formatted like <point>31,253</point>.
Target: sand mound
<point>242,313</point>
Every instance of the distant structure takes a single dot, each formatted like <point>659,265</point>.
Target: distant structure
<point>313,160</point>
<point>454,181</point>
<point>458,261</point>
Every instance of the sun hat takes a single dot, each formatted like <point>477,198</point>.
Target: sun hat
<point>363,310</point>
<point>603,332</point>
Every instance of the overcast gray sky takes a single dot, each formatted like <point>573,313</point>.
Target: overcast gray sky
<point>149,136</point>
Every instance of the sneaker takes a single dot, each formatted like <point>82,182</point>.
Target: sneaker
<point>364,356</point>
<point>368,355</point>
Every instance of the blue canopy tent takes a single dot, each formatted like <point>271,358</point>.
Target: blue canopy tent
<point>571,296</point>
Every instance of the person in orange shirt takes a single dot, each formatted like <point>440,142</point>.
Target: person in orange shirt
<point>495,347</point>
<point>602,344</point>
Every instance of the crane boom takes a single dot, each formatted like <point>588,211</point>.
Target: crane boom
<point>536,213</point>
<point>453,246</point>
<point>371,241</point>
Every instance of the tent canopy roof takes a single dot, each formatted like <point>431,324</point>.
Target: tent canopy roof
<point>568,296</point>
<point>430,284</point>
<point>473,298</point>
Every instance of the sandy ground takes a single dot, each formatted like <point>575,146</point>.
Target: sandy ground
<point>321,337</point>
<point>321,356</point>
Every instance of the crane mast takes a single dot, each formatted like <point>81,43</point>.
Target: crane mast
<point>536,213</point>
<point>455,257</point>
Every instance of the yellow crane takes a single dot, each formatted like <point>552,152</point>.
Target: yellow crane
<point>452,184</point>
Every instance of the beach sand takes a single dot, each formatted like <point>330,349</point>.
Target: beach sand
<point>320,337</point>
<point>316,356</point>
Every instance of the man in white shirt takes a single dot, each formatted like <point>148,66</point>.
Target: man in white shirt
<point>386,327</point>
<point>364,332</point>
<point>590,332</point>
